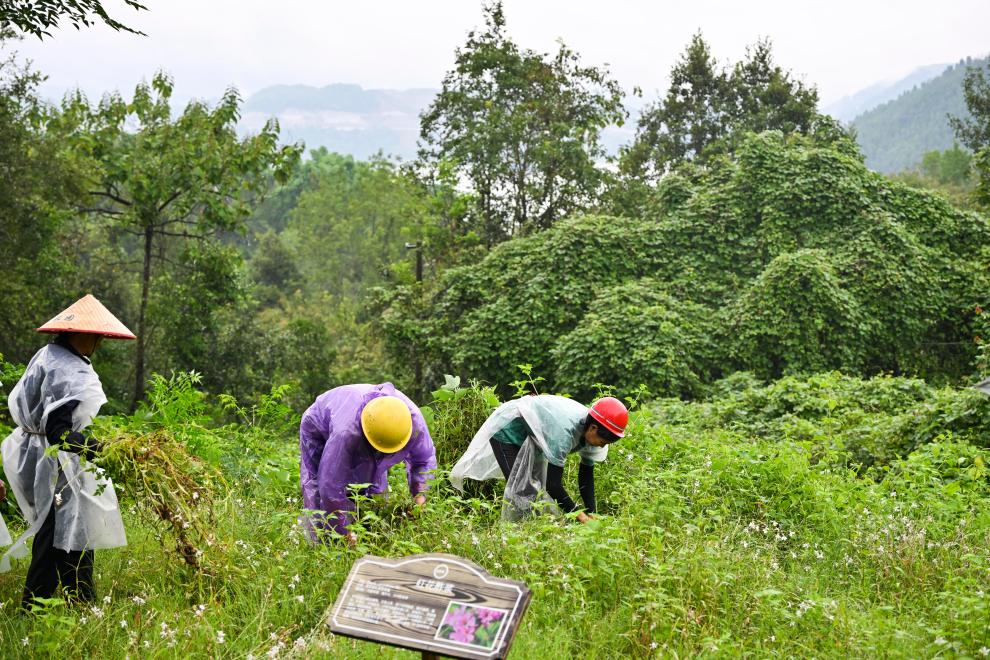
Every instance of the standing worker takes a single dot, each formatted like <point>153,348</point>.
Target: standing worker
<point>528,440</point>
<point>70,510</point>
<point>353,434</point>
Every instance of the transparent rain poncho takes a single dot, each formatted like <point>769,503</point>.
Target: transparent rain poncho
<point>555,424</point>
<point>87,516</point>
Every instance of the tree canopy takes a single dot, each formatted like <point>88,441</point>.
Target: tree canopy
<point>706,105</point>
<point>37,17</point>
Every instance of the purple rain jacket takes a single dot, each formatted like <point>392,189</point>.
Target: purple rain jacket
<point>334,452</point>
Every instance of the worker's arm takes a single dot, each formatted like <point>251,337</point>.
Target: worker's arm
<point>555,488</point>
<point>420,466</point>
<point>586,486</point>
<point>314,429</point>
<point>58,431</point>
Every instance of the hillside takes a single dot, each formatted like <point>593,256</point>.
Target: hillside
<point>895,135</point>
<point>350,120</point>
<point>849,107</point>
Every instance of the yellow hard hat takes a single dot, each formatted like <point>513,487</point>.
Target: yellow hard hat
<point>387,423</point>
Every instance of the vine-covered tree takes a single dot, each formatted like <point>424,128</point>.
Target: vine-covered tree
<point>790,256</point>
<point>170,184</point>
<point>522,128</point>
<point>37,17</point>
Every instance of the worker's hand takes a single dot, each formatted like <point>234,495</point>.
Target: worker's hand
<point>584,517</point>
<point>351,539</point>
<point>419,500</point>
<point>3,490</point>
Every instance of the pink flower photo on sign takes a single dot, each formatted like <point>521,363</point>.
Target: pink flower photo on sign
<point>472,625</point>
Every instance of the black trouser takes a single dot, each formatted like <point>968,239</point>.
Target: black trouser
<point>505,454</point>
<point>51,567</point>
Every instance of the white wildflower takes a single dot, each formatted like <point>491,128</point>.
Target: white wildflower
<point>221,638</point>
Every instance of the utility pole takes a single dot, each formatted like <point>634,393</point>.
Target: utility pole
<point>418,246</point>
<point>417,362</point>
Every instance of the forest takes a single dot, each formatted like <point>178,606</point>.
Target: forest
<point>795,334</point>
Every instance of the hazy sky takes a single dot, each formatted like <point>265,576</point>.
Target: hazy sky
<point>839,45</point>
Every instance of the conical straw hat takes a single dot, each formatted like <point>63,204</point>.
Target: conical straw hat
<point>90,316</point>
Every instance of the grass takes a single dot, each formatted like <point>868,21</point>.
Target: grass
<point>712,542</point>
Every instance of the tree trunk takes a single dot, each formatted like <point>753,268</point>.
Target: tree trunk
<point>142,326</point>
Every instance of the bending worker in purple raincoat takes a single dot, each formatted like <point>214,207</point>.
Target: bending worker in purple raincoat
<point>352,435</point>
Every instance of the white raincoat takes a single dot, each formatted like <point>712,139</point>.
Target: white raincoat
<point>86,514</point>
<point>555,426</point>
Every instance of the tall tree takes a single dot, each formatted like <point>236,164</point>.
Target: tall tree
<point>708,106</point>
<point>974,132</point>
<point>168,182</point>
<point>693,114</point>
<point>37,191</point>
<point>38,16</point>
<point>522,128</point>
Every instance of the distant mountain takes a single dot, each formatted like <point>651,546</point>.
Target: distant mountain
<point>343,118</point>
<point>349,119</point>
<point>895,135</point>
<point>849,107</point>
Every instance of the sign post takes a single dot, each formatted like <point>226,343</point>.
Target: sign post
<point>442,605</point>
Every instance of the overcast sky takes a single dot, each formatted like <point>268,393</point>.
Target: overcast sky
<point>841,46</point>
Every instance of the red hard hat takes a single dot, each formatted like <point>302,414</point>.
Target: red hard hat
<point>611,414</point>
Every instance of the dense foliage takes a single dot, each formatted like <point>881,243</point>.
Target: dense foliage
<point>37,185</point>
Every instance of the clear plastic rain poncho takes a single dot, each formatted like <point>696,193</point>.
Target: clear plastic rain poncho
<point>555,424</point>
<point>86,513</point>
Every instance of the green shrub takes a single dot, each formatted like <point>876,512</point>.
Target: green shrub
<point>636,333</point>
<point>455,415</point>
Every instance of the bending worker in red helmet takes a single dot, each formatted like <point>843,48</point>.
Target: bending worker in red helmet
<point>527,442</point>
